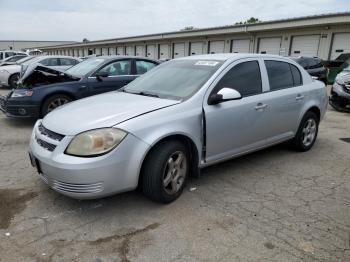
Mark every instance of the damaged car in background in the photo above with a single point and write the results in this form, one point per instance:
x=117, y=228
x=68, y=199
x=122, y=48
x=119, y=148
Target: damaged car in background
x=340, y=92
x=42, y=89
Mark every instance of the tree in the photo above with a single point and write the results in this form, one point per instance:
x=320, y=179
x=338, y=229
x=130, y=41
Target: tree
x=251, y=20
x=188, y=28
x=85, y=40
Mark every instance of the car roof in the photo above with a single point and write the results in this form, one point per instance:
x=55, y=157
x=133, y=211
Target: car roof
x=230, y=56
x=110, y=57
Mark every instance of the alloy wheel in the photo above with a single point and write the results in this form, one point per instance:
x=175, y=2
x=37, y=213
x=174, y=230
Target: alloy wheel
x=309, y=132
x=175, y=172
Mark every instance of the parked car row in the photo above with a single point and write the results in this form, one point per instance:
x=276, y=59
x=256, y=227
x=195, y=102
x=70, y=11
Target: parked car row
x=8, y=53
x=11, y=74
x=44, y=88
x=178, y=117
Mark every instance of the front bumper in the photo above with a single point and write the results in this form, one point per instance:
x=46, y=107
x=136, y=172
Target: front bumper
x=16, y=109
x=339, y=95
x=88, y=178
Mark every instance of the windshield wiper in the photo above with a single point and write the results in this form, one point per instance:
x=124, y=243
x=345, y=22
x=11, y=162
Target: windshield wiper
x=142, y=93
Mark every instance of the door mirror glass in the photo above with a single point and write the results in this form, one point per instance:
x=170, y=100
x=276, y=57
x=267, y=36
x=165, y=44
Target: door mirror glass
x=224, y=94
x=101, y=74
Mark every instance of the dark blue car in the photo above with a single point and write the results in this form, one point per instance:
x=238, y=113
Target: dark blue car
x=44, y=89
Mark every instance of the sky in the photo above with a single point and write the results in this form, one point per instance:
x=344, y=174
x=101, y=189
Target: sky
x=74, y=20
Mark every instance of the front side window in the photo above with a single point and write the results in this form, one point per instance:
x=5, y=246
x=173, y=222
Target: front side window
x=117, y=68
x=143, y=66
x=67, y=62
x=49, y=62
x=244, y=77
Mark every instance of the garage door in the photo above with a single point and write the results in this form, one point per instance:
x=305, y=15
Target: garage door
x=306, y=45
x=112, y=51
x=140, y=50
x=164, y=51
x=179, y=50
x=104, y=51
x=120, y=50
x=216, y=47
x=196, y=48
x=270, y=45
x=81, y=52
x=151, y=51
x=129, y=50
x=341, y=44
x=240, y=46
x=98, y=51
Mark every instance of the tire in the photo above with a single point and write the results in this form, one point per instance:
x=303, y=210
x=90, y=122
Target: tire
x=307, y=132
x=53, y=102
x=162, y=179
x=13, y=80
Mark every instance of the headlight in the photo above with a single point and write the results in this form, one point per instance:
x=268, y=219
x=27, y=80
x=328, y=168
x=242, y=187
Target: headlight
x=22, y=93
x=95, y=142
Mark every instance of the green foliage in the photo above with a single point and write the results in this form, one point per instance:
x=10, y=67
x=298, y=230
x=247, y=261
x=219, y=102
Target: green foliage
x=251, y=20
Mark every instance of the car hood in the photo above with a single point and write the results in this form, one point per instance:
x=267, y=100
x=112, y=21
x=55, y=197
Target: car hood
x=100, y=111
x=41, y=75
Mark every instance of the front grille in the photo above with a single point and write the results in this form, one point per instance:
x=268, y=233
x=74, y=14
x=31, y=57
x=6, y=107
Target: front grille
x=45, y=144
x=46, y=132
x=77, y=188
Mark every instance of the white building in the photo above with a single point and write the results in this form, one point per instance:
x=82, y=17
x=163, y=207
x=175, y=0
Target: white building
x=325, y=36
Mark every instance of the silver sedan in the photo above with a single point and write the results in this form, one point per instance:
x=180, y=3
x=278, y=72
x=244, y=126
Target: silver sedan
x=182, y=116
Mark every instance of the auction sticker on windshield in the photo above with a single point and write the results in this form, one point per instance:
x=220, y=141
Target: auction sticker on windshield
x=207, y=63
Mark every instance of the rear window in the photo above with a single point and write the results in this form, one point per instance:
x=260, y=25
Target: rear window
x=282, y=75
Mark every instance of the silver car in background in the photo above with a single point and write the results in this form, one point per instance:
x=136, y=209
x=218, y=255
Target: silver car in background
x=181, y=116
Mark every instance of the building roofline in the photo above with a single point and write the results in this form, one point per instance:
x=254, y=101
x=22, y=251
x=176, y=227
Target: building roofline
x=235, y=28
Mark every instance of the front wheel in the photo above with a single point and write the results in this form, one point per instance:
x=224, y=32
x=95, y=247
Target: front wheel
x=53, y=102
x=13, y=80
x=307, y=132
x=165, y=172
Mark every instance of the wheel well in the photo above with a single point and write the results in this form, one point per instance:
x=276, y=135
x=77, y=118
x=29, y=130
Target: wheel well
x=194, y=161
x=8, y=81
x=53, y=94
x=317, y=111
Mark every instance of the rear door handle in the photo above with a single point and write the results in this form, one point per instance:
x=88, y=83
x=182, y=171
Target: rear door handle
x=260, y=106
x=299, y=97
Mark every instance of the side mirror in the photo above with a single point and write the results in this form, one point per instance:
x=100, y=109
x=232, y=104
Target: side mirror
x=100, y=75
x=224, y=94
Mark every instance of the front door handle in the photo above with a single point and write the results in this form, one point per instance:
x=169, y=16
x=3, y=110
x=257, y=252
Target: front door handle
x=299, y=97
x=260, y=107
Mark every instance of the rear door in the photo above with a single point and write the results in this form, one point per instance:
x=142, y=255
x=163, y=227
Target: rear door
x=238, y=126
x=119, y=73
x=286, y=99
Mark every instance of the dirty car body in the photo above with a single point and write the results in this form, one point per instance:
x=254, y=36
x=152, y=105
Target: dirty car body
x=195, y=119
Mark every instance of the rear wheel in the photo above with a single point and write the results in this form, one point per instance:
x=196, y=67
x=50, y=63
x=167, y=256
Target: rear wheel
x=165, y=172
x=307, y=132
x=53, y=102
x=13, y=80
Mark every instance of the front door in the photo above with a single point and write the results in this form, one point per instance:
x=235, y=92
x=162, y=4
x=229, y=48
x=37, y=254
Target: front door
x=237, y=126
x=115, y=75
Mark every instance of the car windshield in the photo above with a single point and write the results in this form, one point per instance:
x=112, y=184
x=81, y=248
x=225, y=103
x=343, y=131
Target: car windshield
x=27, y=58
x=177, y=79
x=32, y=60
x=85, y=67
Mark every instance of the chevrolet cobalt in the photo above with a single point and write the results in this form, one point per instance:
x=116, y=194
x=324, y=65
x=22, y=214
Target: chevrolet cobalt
x=169, y=123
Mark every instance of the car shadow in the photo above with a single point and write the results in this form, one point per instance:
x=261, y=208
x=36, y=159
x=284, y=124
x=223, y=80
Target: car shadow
x=20, y=122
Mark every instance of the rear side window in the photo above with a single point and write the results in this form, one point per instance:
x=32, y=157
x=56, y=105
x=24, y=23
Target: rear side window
x=244, y=77
x=281, y=76
x=50, y=62
x=297, y=79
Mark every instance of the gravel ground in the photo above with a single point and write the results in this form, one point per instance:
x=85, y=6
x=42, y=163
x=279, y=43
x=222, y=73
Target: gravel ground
x=273, y=205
